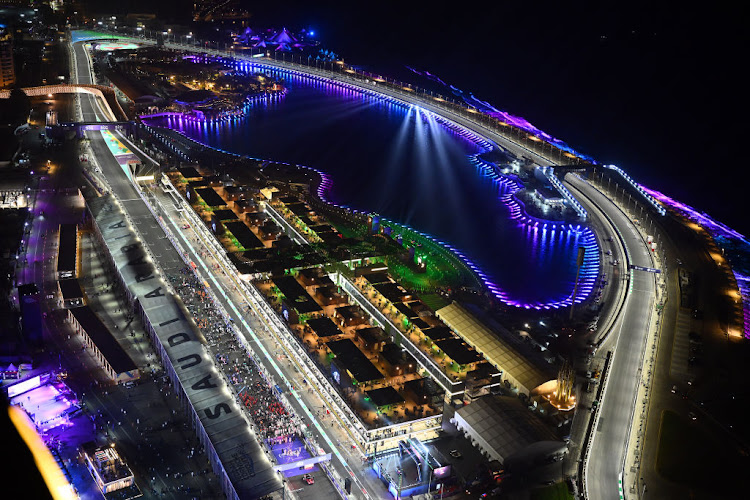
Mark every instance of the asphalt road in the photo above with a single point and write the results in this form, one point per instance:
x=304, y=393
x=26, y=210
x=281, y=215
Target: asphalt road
x=611, y=435
x=170, y=262
x=404, y=96
x=121, y=413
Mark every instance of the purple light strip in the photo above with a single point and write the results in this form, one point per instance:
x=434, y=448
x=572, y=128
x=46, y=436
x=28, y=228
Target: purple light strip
x=743, y=283
x=701, y=218
x=589, y=270
x=488, y=109
x=225, y=116
x=716, y=229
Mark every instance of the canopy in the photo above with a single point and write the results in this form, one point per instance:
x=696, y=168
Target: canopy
x=283, y=37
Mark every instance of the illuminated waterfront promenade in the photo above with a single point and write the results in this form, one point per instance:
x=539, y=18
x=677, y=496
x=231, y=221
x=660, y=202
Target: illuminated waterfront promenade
x=605, y=486
x=531, y=236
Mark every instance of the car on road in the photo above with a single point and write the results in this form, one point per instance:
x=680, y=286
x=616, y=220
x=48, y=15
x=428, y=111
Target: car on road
x=674, y=389
x=692, y=416
x=308, y=478
x=186, y=226
x=455, y=454
x=697, y=314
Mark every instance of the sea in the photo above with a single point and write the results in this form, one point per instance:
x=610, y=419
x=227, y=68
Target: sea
x=646, y=87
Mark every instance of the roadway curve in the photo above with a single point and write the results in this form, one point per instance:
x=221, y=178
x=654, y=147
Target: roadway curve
x=346, y=462
x=610, y=436
x=608, y=443
x=403, y=96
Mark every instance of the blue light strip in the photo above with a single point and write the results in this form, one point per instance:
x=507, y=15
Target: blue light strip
x=659, y=208
x=549, y=174
x=590, y=270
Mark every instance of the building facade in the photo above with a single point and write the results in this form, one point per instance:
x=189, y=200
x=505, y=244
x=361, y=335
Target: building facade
x=7, y=71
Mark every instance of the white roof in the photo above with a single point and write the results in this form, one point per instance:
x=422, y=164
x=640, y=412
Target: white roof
x=495, y=350
x=502, y=425
x=218, y=414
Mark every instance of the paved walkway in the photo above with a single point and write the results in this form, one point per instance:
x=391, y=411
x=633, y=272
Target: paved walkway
x=631, y=482
x=338, y=433
x=678, y=366
x=123, y=415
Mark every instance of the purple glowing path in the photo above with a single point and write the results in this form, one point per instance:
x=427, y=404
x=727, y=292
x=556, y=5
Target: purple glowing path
x=718, y=231
x=716, y=228
x=488, y=109
x=589, y=271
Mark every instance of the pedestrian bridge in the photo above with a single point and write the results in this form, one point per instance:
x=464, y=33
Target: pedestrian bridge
x=62, y=128
x=106, y=95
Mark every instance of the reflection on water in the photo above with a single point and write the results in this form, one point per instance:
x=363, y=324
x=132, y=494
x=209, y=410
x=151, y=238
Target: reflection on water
x=401, y=162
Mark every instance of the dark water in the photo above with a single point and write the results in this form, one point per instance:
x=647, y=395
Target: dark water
x=653, y=88
x=400, y=163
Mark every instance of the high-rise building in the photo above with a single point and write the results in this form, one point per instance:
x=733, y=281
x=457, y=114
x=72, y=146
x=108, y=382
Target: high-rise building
x=7, y=71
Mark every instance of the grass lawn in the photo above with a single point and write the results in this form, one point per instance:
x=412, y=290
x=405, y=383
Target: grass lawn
x=687, y=456
x=557, y=491
x=434, y=301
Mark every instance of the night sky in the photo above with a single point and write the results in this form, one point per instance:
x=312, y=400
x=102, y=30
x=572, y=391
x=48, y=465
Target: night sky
x=655, y=90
